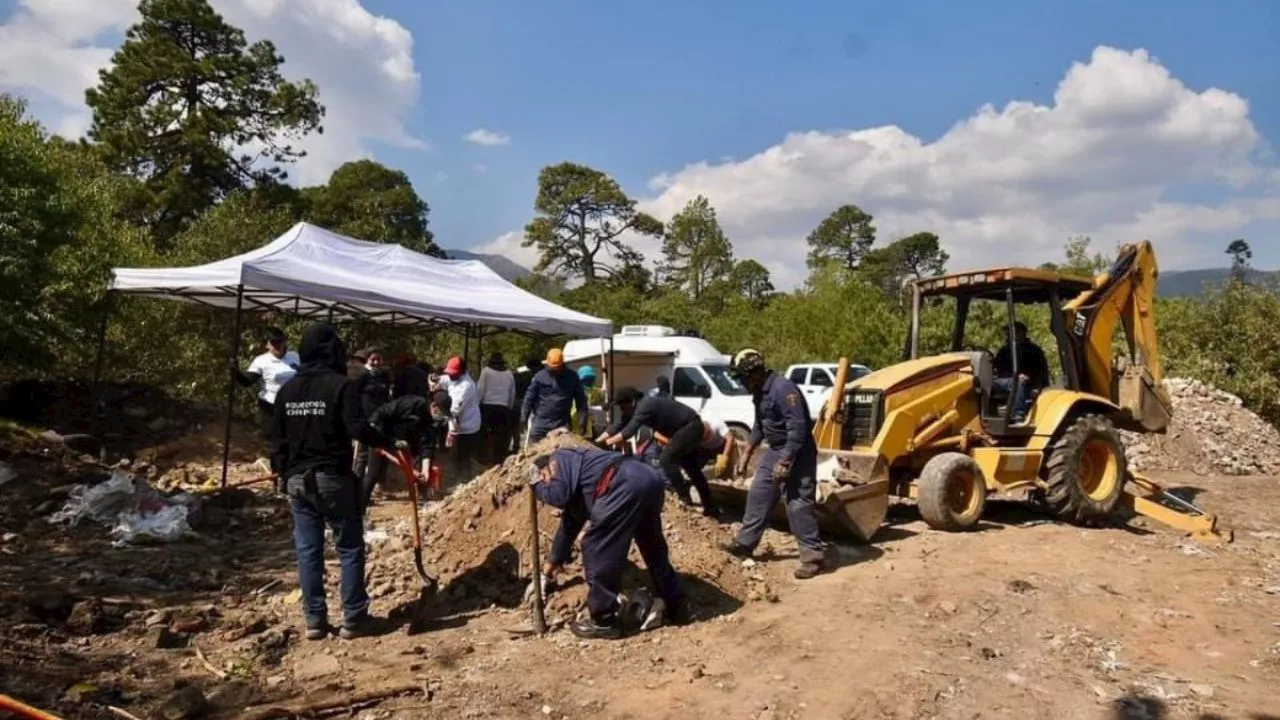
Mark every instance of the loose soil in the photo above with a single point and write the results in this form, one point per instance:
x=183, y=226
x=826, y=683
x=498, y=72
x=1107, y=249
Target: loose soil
x=1021, y=618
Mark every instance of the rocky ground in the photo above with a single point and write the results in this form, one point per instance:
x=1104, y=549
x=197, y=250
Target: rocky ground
x=1125, y=622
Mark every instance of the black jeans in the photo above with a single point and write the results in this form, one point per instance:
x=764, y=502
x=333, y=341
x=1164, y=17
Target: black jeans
x=682, y=452
x=266, y=419
x=318, y=499
x=496, y=430
x=374, y=470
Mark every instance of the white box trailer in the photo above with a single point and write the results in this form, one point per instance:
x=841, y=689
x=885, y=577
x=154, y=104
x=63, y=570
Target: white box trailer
x=699, y=373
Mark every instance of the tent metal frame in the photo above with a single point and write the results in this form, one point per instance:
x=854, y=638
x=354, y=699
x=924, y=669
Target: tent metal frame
x=307, y=309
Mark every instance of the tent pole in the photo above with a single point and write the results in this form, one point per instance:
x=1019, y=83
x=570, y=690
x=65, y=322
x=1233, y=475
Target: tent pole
x=609, y=381
x=231, y=383
x=479, y=346
x=331, y=314
x=466, y=345
x=99, y=409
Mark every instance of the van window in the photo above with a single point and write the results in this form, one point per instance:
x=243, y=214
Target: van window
x=686, y=382
x=724, y=381
x=798, y=376
x=820, y=378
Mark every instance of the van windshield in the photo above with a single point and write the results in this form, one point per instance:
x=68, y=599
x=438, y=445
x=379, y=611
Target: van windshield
x=724, y=382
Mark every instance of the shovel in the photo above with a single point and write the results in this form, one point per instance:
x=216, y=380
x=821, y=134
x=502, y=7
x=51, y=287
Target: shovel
x=430, y=584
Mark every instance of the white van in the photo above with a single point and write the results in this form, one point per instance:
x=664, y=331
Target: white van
x=699, y=373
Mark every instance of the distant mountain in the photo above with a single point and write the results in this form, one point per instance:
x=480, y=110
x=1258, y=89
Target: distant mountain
x=1190, y=283
x=508, y=270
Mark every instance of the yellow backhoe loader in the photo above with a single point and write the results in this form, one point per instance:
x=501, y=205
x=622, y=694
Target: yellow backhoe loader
x=950, y=430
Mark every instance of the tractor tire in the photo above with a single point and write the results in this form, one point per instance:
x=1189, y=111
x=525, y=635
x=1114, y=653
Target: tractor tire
x=952, y=492
x=1086, y=472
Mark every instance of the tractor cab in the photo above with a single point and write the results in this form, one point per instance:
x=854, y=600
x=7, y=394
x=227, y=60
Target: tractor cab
x=996, y=314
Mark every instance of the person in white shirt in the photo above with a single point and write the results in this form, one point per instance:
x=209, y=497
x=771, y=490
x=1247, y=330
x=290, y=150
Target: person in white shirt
x=269, y=371
x=464, y=416
x=497, y=391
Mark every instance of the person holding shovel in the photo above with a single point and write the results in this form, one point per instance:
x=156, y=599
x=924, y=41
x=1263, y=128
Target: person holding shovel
x=621, y=497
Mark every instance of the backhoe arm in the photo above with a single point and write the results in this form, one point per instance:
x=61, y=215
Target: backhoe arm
x=1124, y=295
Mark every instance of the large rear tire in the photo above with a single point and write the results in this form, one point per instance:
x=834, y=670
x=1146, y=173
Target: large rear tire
x=952, y=492
x=1086, y=472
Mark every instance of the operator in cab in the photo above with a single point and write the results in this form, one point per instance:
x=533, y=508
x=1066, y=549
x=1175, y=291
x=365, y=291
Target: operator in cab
x=789, y=466
x=1033, y=368
x=683, y=429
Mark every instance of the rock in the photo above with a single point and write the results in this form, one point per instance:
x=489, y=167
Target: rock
x=748, y=563
x=315, y=667
x=162, y=638
x=84, y=692
x=1200, y=690
x=234, y=695
x=276, y=680
x=188, y=625
x=189, y=702
x=948, y=607
x=87, y=618
x=157, y=618
x=546, y=709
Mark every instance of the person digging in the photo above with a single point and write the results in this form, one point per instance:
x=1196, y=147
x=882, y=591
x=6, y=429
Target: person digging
x=622, y=498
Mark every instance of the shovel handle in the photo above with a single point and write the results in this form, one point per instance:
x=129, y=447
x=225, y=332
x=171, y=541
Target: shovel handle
x=410, y=478
x=539, y=614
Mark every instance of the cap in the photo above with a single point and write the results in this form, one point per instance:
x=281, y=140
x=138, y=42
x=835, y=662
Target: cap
x=627, y=395
x=454, y=366
x=555, y=358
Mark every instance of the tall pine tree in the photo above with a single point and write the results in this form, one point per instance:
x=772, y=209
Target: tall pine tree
x=195, y=112
x=696, y=253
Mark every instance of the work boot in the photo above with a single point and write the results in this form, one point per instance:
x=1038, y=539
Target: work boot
x=737, y=550
x=365, y=626
x=656, y=617
x=318, y=631
x=812, y=563
x=711, y=511
x=593, y=629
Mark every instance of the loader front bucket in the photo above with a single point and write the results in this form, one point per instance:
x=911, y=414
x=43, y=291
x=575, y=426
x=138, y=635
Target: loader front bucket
x=847, y=511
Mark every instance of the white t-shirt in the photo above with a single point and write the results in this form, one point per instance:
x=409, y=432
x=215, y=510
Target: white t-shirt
x=275, y=371
x=465, y=414
x=715, y=439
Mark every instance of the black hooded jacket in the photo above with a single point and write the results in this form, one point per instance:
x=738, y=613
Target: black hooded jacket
x=320, y=411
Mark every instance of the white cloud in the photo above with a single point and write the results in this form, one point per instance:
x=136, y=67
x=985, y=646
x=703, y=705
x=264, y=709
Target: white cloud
x=362, y=63
x=487, y=138
x=1009, y=185
x=480, y=168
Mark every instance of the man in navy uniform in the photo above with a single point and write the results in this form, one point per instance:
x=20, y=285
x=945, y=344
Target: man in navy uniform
x=622, y=498
x=790, y=466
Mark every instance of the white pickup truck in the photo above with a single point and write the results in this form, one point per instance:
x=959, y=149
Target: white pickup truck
x=815, y=381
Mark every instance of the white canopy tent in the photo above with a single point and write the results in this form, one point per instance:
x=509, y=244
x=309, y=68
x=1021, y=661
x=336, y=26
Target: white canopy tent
x=309, y=270
x=312, y=272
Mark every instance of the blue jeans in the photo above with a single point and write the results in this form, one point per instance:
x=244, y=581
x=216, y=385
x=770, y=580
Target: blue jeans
x=1018, y=403
x=316, y=500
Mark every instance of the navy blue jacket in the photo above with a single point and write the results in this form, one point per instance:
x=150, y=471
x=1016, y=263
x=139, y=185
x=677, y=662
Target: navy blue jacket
x=782, y=417
x=550, y=399
x=572, y=488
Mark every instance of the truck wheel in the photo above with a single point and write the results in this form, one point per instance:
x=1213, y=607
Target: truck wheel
x=1086, y=471
x=952, y=492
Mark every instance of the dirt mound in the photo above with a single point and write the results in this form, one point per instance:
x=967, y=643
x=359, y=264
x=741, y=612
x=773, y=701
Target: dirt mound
x=478, y=542
x=1211, y=433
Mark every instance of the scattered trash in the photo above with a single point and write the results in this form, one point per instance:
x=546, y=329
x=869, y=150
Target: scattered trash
x=133, y=508
x=375, y=536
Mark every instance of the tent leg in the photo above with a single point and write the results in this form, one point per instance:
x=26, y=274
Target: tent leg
x=231, y=384
x=609, y=382
x=99, y=407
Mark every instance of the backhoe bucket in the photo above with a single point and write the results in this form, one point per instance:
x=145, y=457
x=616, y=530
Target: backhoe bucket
x=846, y=511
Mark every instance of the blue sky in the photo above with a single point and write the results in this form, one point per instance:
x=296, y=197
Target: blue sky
x=885, y=97
x=641, y=88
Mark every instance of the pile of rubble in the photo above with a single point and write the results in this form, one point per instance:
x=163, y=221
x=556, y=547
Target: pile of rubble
x=1211, y=433
x=477, y=541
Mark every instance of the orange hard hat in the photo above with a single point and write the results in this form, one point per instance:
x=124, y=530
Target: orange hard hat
x=555, y=358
